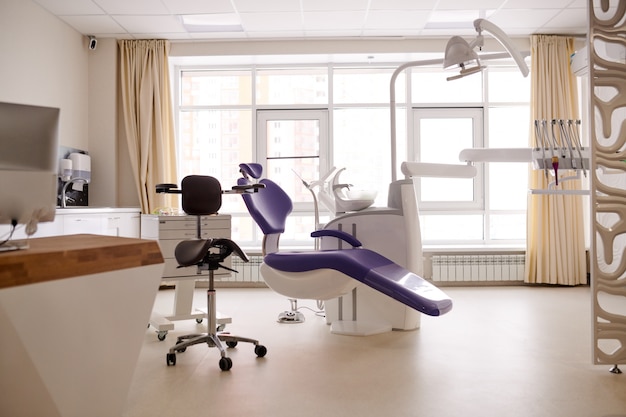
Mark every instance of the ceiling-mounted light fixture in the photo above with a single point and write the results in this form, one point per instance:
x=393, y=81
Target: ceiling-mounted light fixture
x=460, y=53
x=216, y=22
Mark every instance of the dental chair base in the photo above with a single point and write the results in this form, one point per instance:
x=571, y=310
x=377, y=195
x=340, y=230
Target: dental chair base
x=367, y=312
x=372, y=227
x=358, y=325
x=315, y=283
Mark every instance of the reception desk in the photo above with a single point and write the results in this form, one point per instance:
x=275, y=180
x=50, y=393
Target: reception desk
x=73, y=315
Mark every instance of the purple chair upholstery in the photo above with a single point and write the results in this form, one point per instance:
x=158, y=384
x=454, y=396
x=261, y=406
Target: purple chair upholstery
x=269, y=207
x=252, y=169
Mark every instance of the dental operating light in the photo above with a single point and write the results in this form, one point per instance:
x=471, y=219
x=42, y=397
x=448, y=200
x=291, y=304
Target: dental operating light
x=461, y=53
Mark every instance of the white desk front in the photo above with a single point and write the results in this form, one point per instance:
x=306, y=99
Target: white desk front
x=73, y=314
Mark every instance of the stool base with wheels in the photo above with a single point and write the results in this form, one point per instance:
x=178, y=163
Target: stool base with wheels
x=213, y=338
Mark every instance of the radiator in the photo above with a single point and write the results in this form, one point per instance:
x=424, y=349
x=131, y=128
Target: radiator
x=477, y=268
x=247, y=273
x=444, y=268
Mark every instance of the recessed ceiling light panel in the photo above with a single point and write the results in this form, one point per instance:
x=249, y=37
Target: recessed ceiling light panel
x=216, y=22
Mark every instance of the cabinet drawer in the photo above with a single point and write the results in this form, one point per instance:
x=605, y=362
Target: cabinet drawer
x=168, y=247
x=216, y=233
x=215, y=223
x=177, y=224
x=76, y=224
x=178, y=234
x=191, y=223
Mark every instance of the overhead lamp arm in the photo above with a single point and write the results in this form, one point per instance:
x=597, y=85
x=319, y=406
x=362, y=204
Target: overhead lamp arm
x=479, y=25
x=392, y=97
x=496, y=32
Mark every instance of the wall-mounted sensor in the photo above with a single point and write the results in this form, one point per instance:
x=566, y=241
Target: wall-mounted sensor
x=93, y=42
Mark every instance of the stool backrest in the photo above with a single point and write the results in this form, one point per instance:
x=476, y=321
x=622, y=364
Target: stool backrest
x=201, y=195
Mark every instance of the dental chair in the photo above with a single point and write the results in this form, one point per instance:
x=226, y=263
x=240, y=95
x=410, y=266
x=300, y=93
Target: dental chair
x=251, y=173
x=201, y=196
x=327, y=274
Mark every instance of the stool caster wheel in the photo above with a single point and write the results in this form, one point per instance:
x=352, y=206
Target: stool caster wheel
x=260, y=350
x=171, y=359
x=226, y=364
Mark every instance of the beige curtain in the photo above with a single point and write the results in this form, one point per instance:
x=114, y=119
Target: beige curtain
x=555, y=248
x=148, y=120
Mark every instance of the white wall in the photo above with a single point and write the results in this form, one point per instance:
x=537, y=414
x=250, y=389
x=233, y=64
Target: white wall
x=351, y=50
x=104, y=145
x=44, y=62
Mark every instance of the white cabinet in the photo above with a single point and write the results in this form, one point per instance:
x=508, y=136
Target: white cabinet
x=111, y=222
x=121, y=222
x=74, y=224
x=170, y=231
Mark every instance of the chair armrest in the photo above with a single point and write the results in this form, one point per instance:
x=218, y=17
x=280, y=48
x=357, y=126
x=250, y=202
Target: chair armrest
x=245, y=188
x=346, y=237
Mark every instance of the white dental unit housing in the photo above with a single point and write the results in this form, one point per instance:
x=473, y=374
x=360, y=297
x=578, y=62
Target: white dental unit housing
x=395, y=233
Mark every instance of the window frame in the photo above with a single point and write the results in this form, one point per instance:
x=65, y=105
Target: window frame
x=407, y=106
x=263, y=116
x=414, y=145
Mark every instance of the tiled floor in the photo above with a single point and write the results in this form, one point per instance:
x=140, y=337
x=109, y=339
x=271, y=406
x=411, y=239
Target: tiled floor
x=502, y=351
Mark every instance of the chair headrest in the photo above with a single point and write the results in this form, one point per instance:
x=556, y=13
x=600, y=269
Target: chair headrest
x=251, y=169
x=201, y=195
x=269, y=207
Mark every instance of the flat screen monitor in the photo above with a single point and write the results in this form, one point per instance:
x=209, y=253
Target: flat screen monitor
x=29, y=144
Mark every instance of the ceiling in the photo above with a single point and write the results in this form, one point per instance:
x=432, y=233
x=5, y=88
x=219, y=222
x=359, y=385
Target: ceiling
x=314, y=19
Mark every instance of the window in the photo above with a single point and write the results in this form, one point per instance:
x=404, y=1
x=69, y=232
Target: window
x=290, y=144
x=300, y=121
x=440, y=135
x=291, y=86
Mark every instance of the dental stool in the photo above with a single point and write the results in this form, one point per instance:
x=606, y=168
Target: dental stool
x=201, y=196
x=327, y=274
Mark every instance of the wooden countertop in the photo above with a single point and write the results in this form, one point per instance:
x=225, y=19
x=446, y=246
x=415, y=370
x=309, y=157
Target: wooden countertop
x=58, y=257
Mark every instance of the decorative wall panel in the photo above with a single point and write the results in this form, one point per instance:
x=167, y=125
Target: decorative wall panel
x=607, y=77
